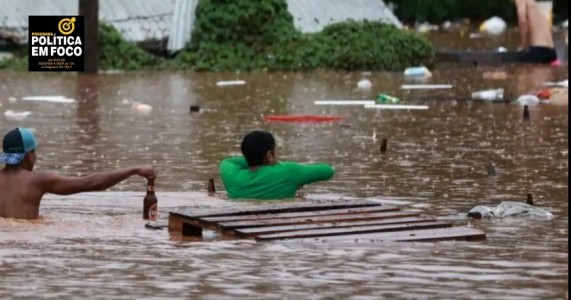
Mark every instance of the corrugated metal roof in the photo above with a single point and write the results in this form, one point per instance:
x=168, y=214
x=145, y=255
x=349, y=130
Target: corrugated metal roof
x=137, y=20
x=314, y=15
x=183, y=23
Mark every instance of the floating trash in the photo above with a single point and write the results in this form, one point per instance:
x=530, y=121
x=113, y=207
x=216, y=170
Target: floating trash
x=12, y=99
x=417, y=72
x=489, y=95
x=194, y=108
x=232, y=82
x=493, y=26
x=52, y=99
x=397, y=106
x=564, y=83
x=16, y=115
x=425, y=86
x=530, y=100
x=384, y=98
x=364, y=84
x=141, y=108
x=344, y=102
x=510, y=210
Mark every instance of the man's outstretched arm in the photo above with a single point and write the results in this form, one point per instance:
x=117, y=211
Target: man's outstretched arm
x=62, y=185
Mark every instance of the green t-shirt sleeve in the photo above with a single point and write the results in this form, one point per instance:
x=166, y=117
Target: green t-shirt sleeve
x=238, y=162
x=310, y=173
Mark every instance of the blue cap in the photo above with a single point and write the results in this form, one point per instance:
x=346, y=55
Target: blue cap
x=16, y=144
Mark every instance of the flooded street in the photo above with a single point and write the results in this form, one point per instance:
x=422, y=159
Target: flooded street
x=95, y=245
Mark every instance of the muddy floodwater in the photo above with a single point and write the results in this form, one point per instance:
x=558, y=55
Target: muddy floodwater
x=95, y=245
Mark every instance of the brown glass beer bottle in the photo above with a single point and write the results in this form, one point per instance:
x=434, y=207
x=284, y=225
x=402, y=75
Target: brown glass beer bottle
x=150, y=202
x=211, y=187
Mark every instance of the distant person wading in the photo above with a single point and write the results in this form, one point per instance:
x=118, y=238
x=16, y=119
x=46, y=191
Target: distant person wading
x=536, y=39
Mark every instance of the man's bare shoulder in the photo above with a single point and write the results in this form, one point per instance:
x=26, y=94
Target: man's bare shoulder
x=44, y=177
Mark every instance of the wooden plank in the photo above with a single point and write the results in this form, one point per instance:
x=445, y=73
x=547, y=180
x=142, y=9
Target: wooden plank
x=184, y=226
x=352, y=230
x=322, y=219
x=249, y=232
x=440, y=234
x=268, y=209
x=382, y=208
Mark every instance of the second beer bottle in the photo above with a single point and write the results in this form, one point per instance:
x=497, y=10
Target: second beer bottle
x=150, y=202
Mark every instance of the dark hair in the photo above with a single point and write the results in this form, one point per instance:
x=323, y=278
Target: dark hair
x=255, y=145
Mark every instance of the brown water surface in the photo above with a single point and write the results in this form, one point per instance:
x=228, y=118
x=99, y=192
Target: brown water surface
x=95, y=245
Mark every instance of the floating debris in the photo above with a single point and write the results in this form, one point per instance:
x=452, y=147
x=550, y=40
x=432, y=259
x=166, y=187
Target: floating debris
x=509, y=210
x=491, y=169
x=528, y=100
x=418, y=72
x=141, y=108
x=16, y=115
x=343, y=102
x=425, y=86
x=194, y=108
x=397, y=106
x=232, y=82
x=564, y=83
x=494, y=26
x=384, y=146
x=489, y=95
x=364, y=84
x=52, y=99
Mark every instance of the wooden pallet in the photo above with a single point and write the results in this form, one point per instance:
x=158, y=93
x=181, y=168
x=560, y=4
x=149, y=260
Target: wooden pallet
x=319, y=221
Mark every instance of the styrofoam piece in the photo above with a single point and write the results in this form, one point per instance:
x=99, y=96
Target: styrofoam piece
x=397, y=106
x=564, y=83
x=53, y=99
x=344, y=102
x=232, y=82
x=16, y=115
x=425, y=86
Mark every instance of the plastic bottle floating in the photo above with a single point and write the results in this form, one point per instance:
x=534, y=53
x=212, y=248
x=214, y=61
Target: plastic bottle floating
x=386, y=99
x=489, y=95
x=493, y=26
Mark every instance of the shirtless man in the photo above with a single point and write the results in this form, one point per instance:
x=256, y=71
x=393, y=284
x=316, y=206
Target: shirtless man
x=21, y=189
x=536, y=45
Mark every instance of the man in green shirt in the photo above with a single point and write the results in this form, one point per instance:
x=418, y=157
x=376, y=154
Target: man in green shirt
x=259, y=175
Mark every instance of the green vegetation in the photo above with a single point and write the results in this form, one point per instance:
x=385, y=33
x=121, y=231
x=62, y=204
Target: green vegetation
x=232, y=35
x=249, y=35
x=117, y=54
